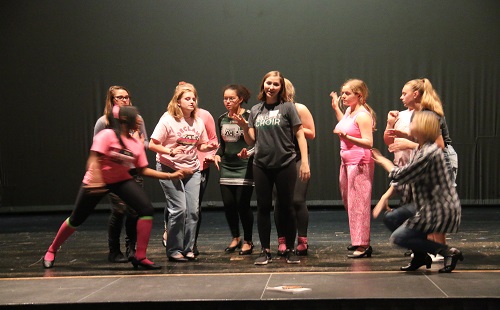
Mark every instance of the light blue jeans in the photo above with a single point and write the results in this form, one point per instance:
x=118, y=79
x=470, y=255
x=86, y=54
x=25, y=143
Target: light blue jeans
x=182, y=208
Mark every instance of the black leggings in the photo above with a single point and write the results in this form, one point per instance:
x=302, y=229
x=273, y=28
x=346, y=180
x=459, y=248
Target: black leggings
x=129, y=191
x=300, y=211
x=236, y=199
x=284, y=179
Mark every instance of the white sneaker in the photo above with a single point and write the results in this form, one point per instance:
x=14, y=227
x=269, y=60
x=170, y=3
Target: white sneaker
x=437, y=258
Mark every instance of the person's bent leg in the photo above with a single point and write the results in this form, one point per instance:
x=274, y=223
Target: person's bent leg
x=84, y=205
x=135, y=197
x=396, y=217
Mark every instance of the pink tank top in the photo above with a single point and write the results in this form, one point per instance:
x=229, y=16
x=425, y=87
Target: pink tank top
x=350, y=153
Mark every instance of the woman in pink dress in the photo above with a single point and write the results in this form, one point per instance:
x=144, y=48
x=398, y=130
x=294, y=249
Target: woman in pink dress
x=355, y=129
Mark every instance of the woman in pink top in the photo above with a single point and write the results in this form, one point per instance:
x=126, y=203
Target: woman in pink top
x=112, y=154
x=355, y=128
x=177, y=138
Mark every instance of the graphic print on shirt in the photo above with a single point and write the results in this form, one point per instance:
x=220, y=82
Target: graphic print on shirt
x=231, y=132
x=122, y=156
x=268, y=120
x=188, y=136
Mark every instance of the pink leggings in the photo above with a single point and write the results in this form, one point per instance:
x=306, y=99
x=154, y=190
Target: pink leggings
x=356, y=189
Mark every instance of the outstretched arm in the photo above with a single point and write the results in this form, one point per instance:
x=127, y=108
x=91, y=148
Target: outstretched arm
x=307, y=121
x=177, y=175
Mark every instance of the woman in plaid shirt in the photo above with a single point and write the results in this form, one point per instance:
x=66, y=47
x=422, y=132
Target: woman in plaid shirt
x=427, y=184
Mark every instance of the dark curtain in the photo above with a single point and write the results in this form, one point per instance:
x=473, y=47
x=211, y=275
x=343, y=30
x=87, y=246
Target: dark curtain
x=58, y=58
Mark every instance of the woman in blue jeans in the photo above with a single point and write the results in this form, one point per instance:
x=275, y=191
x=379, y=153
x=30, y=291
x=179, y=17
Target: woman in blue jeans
x=177, y=138
x=430, y=202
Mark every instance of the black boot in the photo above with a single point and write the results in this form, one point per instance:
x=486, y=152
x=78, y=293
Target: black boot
x=115, y=255
x=451, y=258
x=417, y=262
x=131, y=235
x=114, y=229
x=129, y=250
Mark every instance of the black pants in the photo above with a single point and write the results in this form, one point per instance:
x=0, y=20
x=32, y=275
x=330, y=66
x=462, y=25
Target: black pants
x=284, y=179
x=129, y=191
x=236, y=199
x=120, y=212
x=300, y=211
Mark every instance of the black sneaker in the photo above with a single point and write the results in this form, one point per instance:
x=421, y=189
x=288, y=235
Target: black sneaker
x=264, y=258
x=291, y=257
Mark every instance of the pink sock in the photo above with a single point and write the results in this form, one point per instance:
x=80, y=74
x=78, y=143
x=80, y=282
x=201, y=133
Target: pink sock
x=64, y=232
x=144, y=225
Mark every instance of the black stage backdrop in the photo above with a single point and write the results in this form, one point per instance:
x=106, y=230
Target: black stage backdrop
x=59, y=57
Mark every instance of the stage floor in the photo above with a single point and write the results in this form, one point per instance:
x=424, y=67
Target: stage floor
x=83, y=277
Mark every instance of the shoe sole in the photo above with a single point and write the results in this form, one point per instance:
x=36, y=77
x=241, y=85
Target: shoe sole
x=263, y=263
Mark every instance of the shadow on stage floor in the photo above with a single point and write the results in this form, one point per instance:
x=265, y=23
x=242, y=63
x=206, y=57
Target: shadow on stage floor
x=325, y=279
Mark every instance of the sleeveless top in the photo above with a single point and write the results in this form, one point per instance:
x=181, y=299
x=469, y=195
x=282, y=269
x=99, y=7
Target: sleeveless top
x=350, y=153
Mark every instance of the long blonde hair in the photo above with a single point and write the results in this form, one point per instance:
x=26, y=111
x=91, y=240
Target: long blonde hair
x=359, y=88
x=290, y=91
x=429, y=98
x=173, y=107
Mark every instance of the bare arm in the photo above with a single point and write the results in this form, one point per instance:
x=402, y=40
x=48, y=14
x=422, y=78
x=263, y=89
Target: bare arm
x=155, y=146
x=177, y=175
x=401, y=144
x=392, y=118
x=307, y=121
x=209, y=146
x=304, y=172
x=382, y=161
x=383, y=203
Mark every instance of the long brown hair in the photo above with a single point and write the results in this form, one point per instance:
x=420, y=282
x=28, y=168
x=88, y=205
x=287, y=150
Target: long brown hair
x=281, y=94
x=108, y=106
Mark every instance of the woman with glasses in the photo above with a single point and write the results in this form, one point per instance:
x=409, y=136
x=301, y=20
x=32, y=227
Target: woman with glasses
x=120, y=96
x=234, y=161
